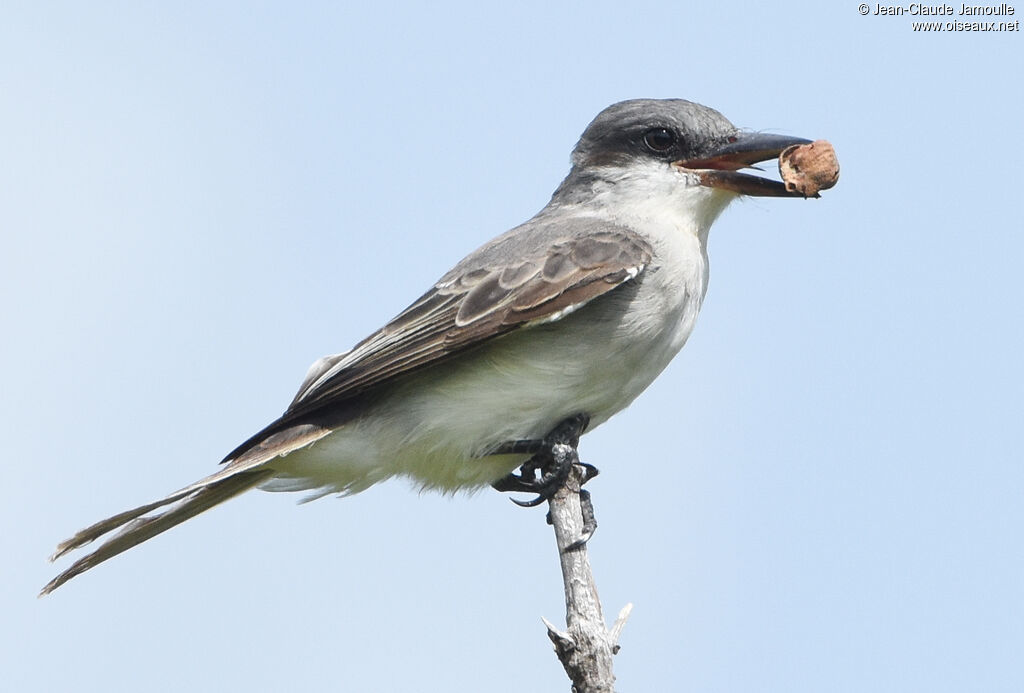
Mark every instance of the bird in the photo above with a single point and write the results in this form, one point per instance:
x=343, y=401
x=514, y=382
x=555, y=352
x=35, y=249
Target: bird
x=573, y=313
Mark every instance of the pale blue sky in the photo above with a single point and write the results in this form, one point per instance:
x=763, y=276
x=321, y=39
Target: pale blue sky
x=822, y=493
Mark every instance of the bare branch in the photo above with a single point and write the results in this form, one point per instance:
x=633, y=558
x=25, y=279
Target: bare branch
x=586, y=647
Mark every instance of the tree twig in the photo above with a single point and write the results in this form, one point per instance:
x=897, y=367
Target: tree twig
x=586, y=647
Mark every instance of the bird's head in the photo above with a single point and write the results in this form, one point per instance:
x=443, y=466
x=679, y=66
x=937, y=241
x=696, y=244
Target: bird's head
x=672, y=153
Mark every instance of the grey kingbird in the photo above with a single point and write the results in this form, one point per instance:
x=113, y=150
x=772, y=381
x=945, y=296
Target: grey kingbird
x=574, y=312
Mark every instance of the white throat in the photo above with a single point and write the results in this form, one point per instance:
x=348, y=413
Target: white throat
x=655, y=198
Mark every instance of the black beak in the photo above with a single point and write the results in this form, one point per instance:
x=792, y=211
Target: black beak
x=719, y=166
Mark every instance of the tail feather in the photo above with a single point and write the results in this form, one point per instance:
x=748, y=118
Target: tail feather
x=135, y=528
x=97, y=530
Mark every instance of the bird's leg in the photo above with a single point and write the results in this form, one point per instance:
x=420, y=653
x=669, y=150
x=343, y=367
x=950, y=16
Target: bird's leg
x=552, y=456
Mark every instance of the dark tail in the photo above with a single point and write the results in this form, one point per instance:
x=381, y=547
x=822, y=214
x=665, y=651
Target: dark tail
x=136, y=527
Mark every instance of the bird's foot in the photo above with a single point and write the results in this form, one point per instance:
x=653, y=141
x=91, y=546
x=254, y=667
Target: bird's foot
x=551, y=457
x=589, y=521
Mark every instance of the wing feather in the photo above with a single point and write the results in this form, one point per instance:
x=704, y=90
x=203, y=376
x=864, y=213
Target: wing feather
x=482, y=298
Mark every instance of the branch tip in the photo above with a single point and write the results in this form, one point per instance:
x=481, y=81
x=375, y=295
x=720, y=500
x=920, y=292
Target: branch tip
x=620, y=623
x=554, y=632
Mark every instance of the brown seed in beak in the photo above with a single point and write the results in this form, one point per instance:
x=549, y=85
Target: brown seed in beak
x=808, y=168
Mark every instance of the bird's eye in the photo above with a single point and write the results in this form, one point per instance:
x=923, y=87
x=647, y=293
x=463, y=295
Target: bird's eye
x=659, y=139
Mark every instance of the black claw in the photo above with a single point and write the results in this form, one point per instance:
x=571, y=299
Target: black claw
x=589, y=521
x=549, y=457
x=530, y=503
x=553, y=474
x=547, y=470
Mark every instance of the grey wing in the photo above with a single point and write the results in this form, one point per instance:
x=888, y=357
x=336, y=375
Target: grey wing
x=525, y=277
